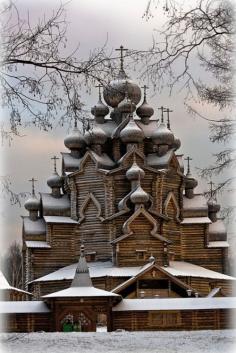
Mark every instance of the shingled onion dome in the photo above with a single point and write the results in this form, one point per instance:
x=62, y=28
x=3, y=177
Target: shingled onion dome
x=213, y=208
x=135, y=172
x=190, y=184
x=131, y=133
x=55, y=181
x=95, y=137
x=32, y=204
x=75, y=140
x=100, y=110
x=176, y=144
x=126, y=105
x=139, y=196
x=145, y=111
x=162, y=135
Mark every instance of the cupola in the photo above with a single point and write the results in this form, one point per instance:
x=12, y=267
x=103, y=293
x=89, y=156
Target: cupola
x=145, y=111
x=100, y=110
x=55, y=181
x=131, y=133
x=75, y=140
x=32, y=204
x=190, y=182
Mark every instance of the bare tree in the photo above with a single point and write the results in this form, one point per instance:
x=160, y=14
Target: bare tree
x=12, y=265
x=199, y=35
x=39, y=78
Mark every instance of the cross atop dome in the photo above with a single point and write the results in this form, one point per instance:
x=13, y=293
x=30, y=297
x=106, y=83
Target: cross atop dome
x=33, y=180
x=99, y=90
x=212, y=193
x=121, y=50
x=162, y=113
x=188, y=159
x=145, y=87
x=54, y=158
x=168, y=111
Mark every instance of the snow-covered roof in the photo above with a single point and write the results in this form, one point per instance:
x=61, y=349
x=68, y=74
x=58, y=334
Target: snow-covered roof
x=217, y=227
x=197, y=203
x=103, y=160
x=218, y=244
x=4, y=285
x=70, y=162
x=176, y=304
x=36, y=227
x=196, y=220
x=59, y=219
x=18, y=307
x=103, y=269
x=37, y=244
x=55, y=204
x=96, y=269
x=80, y=292
x=182, y=268
x=156, y=161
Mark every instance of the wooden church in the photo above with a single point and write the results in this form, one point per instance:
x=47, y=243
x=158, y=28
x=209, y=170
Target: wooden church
x=152, y=252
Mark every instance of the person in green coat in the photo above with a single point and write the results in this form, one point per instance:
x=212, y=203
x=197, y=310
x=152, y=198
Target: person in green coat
x=67, y=326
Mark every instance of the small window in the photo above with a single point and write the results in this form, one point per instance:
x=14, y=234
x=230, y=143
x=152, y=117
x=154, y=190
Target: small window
x=141, y=254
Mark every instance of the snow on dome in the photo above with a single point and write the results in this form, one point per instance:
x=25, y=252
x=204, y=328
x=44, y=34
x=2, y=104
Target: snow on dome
x=126, y=105
x=114, y=92
x=135, y=172
x=162, y=135
x=139, y=196
x=131, y=133
x=74, y=140
x=95, y=136
x=55, y=181
x=145, y=110
x=100, y=109
x=32, y=204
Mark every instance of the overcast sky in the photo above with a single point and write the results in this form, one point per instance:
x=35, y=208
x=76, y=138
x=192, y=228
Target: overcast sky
x=90, y=22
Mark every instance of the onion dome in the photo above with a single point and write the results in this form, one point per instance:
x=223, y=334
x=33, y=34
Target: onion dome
x=151, y=259
x=32, y=204
x=55, y=180
x=145, y=110
x=135, y=172
x=176, y=144
x=190, y=181
x=126, y=105
x=213, y=206
x=131, y=133
x=139, y=196
x=100, y=109
x=95, y=136
x=74, y=140
x=114, y=92
x=162, y=135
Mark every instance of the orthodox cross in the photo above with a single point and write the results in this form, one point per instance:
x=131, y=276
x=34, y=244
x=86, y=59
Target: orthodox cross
x=168, y=111
x=162, y=113
x=33, y=181
x=211, y=188
x=55, y=163
x=145, y=91
x=99, y=89
x=121, y=49
x=188, y=159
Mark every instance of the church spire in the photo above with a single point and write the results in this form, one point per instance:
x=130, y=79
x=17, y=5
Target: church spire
x=82, y=277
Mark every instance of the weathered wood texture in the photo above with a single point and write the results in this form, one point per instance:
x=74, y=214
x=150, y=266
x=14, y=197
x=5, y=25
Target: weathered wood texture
x=172, y=320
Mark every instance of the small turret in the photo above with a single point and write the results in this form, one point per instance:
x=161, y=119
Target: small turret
x=162, y=137
x=131, y=133
x=33, y=204
x=74, y=141
x=145, y=111
x=213, y=206
x=100, y=110
x=190, y=182
x=55, y=181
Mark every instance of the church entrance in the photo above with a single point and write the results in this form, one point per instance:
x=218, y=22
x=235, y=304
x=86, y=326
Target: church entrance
x=76, y=322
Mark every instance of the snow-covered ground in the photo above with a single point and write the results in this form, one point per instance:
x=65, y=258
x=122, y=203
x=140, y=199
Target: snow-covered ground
x=121, y=342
